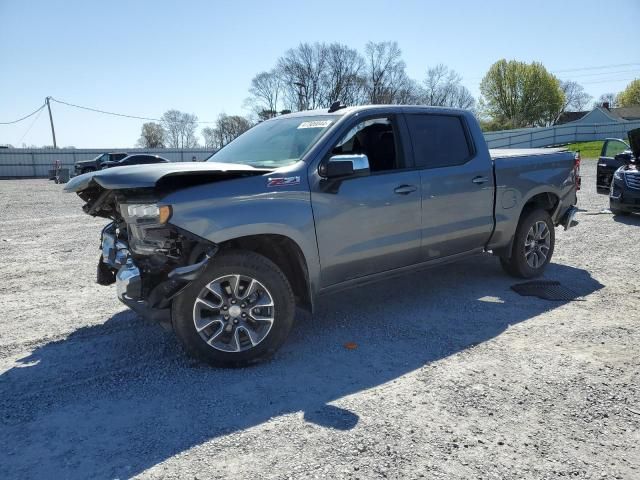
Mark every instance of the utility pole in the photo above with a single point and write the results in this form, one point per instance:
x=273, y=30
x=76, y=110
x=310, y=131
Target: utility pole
x=53, y=132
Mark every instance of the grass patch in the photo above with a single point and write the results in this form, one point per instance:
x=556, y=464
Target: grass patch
x=587, y=149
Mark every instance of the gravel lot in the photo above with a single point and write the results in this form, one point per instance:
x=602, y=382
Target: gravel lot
x=454, y=375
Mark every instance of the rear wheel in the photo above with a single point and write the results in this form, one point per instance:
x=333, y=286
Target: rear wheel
x=533, y=245
x=238, y=312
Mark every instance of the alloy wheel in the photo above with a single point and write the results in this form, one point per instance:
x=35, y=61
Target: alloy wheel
x=537, y=244
x=233, y=313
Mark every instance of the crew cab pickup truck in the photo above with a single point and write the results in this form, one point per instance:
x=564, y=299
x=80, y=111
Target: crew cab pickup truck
x=313, y=202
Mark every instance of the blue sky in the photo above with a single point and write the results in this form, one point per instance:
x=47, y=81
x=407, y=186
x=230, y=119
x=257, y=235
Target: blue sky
x=145, y=57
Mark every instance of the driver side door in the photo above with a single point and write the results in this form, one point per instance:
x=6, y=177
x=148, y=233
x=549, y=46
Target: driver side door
x=372, y=223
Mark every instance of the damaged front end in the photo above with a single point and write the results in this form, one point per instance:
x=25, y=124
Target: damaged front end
x=149, y=260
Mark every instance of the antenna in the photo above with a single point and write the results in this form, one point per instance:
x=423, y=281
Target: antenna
x=335, y=106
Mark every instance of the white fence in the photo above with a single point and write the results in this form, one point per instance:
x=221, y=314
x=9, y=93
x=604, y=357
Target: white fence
x=558, y=135
x=36, y=162
x=26, y=162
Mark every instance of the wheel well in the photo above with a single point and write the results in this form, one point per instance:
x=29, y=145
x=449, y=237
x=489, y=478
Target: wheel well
x=286, y=254
x=547, y=201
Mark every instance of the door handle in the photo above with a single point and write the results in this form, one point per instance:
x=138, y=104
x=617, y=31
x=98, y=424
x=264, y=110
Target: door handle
x=405, y=189
x=480, y=180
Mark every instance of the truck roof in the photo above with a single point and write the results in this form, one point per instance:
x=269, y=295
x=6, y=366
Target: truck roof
x=377, y=108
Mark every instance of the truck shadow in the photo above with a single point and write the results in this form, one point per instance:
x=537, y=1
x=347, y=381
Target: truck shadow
x=115, y=399
x=631, y=219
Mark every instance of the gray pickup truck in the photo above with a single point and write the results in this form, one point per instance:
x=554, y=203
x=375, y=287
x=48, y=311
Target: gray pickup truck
x=312, y=202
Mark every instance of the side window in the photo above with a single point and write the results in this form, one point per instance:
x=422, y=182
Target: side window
x=377, y=139
x=614, y=147
x=438, y=140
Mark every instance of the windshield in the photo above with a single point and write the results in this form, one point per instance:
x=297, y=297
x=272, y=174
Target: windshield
x=275, y=143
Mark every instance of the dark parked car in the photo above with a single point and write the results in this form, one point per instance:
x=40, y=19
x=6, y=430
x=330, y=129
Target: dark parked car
x=97, y=163
x=612, y=157
x=136, y=159
x=314, y=202
x=624, y=194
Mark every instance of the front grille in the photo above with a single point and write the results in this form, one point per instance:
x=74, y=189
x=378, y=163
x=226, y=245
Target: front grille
x=632, y=179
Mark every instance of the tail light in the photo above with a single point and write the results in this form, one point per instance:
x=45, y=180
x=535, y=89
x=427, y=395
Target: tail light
x=576, y=169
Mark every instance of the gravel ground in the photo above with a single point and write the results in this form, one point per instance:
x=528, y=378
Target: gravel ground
x=454, y=375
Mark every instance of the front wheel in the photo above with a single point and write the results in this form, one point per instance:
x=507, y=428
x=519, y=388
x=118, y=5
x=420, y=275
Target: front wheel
x=533, y=245
x=238, y=312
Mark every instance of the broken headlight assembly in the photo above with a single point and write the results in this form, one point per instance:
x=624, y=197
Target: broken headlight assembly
x=145, y=213
x=149, y=233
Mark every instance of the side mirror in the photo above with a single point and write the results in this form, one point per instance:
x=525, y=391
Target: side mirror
x=345, y=166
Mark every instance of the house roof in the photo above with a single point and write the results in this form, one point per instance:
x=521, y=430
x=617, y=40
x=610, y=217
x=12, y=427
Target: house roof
x=567, y=117
x=627, y=113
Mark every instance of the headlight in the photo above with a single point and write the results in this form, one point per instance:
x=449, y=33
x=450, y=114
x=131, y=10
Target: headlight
x=618, y=175
x=146, y=214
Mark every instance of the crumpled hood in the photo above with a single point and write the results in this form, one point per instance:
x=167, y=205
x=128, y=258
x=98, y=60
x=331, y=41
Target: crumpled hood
x=147, y=176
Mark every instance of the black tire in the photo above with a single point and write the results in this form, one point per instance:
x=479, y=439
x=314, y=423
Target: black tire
x=616, y=211
x=516, y=263
x=245, y=263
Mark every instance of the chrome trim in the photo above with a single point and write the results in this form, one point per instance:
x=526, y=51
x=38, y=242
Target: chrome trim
x=115, y=253
x=632, y=179
x=128, y=282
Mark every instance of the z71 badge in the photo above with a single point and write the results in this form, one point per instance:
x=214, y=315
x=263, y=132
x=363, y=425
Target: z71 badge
x=283, y=181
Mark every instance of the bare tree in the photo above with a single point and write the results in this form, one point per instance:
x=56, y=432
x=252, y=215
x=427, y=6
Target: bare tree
x=610, y=98
x=344, y=79
x=227, y=129
x=387, y=81
x=575, y=98
x=209, y=136
x=151, y=136
x=265, y=90
x=443, y=88
x=189, y=125
x=180, y=129
x=301, y=70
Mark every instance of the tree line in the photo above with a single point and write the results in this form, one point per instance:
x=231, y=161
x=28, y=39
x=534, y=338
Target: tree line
x=513, y=94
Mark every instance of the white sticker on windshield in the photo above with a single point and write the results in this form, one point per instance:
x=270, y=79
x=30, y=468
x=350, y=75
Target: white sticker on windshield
x=315, y=124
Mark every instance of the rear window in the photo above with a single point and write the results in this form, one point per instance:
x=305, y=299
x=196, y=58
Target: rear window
x=438, y=140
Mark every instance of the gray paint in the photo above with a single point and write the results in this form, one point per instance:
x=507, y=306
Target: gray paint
x=359, y=227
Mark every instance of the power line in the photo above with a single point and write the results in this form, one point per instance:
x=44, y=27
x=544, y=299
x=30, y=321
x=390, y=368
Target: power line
x=600, y=67
x=31, y=126
x=610, y=80
x=635, y=71
x=97, y=110
x=580, y=69
x=104, y=111
x=25, y=117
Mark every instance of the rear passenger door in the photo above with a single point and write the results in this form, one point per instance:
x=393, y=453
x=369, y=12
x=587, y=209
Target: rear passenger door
x=456, y=183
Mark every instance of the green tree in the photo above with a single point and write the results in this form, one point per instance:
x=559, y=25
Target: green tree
x=519, y=94
x=630, y=95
